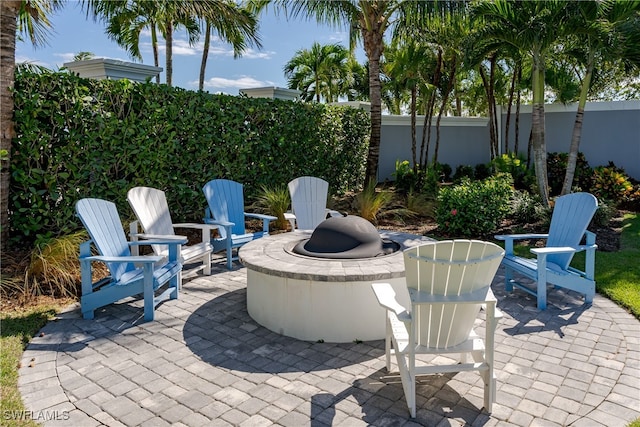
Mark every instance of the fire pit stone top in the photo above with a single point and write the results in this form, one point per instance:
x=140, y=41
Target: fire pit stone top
x=273, y=255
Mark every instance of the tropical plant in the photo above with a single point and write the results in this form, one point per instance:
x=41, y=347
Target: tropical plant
x=610, y=183
x=318, y=72
x=369, y=203
x=274, y=201
x=54, y=268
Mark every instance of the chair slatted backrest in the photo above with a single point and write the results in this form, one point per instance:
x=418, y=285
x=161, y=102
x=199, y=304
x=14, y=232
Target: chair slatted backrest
x=449, y=268
x=102, y=222
x=226, y=202
x=152, y=210
x=571, y=217
x=309, y=201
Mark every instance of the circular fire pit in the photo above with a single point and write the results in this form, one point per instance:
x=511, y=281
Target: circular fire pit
x=312, y=298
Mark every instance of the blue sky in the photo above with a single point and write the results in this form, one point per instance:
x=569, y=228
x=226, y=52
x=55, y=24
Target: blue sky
x=73, y=33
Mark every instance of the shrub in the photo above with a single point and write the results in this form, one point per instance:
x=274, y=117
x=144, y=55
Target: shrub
x=516, y=166
x=482, y=171
x=557, y=168
x=79, y=137
x=611, y=183
x=472, y=209
x=603, y=214
x=463, y=171
x=528, y=208
x=406, y=178
x=445, y=171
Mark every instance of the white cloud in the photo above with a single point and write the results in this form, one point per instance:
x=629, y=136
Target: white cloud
x=255, y=54
x=242, y=82
x=339, y=37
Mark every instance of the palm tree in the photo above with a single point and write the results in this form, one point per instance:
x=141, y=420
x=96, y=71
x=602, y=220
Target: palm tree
x=233, y=24
x=318, y=72
x=127, y=18
x=28, y=18
x=125, y=25
x=371, y=18
x=533, y=27
x=403, y=61
x=603, y=31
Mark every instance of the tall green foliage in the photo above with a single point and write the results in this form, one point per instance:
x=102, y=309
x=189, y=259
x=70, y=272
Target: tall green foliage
x=86, y=138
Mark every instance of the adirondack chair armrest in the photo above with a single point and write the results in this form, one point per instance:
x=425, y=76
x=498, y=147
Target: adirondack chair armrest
x=386, y=297
x=161, y=240
x=260, y=216
x=555, y=250
x=333, y=213
x=266, y=219
x=196, y=226
x=521, y=236
x=151, y=259
x=510, y=238
x=211, y=221
x=171, y=237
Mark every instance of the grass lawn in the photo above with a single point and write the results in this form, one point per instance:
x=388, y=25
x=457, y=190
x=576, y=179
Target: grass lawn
x=17, y=329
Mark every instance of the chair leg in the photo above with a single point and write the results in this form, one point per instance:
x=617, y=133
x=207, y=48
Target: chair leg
x=229, y=253
x=508, y=275
x=541, y=290
x=206, y=260
x=148, y=293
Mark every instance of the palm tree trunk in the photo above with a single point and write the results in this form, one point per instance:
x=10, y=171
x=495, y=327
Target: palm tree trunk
x=373, y=46
x=443, y=106
x=517, y=122
x=8, y=19
x=537, y=130
x=574, y=147
x=154, y=46
x=169, y=52
x=414, y=96
x=491, y=111
x=507, y=125
x=205, y=55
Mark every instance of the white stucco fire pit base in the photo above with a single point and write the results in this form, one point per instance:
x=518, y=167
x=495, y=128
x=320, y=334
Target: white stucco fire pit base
x=316, y=299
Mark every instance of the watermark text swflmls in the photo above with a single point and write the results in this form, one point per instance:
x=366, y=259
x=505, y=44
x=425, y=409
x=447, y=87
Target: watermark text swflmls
x=46, y=415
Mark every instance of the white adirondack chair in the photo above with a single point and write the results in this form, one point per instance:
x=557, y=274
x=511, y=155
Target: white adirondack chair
x=448, y=283
x=571, y=217
x=151, y=209
x=308, y=203
x=102, y=222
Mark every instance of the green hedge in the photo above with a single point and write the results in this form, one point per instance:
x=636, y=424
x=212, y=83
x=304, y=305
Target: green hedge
x=87, y=138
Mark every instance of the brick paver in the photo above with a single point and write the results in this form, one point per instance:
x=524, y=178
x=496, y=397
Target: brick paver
x=204, y=361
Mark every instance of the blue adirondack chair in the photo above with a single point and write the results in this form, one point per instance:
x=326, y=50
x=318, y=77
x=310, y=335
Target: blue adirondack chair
x=571, y=217
x=225, y=199
x=102, y=222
